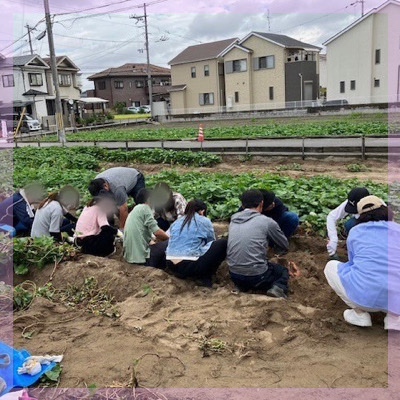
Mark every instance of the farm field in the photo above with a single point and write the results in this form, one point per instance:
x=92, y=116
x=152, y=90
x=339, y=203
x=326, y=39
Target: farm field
x=350, y=125
x=148, y=329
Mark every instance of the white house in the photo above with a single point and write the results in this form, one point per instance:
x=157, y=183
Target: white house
x=27, y=82
x=363, y=60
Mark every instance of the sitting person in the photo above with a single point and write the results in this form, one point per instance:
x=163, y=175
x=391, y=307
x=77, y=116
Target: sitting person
x=18, y=210
x=349, y=206
x=274, y=208
x=370, y=280
x=53, y=217
x=249, y=235
x=139, y=230
x=93, y=233
x=122, y=183
x=192, y=249
x=168, y=205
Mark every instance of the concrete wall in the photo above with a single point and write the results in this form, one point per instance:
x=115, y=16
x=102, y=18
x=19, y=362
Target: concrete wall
x=181, y=74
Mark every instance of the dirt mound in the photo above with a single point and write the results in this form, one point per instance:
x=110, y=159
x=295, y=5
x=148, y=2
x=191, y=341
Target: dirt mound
x=171, y=333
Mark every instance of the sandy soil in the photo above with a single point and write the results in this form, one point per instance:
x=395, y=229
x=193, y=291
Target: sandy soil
x=301, y=342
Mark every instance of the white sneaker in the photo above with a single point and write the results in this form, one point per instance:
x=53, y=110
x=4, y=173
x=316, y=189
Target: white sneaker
x=358, y=319
x=392, y=322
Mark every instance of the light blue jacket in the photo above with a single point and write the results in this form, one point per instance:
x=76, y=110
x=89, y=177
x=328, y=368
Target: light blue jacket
x=194, y=240
x=371, y=277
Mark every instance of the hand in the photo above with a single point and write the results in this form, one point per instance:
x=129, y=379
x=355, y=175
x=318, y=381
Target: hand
x=331, y=247
x=294, y=270
x=120, y=233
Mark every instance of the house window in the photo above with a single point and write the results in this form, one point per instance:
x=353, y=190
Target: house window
x=193, y=72
x=119, y=84
x=239, y=65
x=8, y=80
x=377, y=83
x=135, y=103
x=267, y=62
x=64, y=79
x=342, y=87
x=35, y=79
x=377, y=56
x=206, y=99
x=271, y=92
x=206, y=70
x=139, y=84
x=236, y=97
x=352, y=85
x=165, y=82
x=101, y=85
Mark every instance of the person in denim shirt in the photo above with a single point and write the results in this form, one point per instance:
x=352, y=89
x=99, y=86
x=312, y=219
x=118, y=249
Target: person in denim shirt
x=192, y=250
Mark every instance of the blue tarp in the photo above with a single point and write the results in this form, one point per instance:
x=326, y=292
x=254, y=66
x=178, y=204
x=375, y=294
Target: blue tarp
x=10, y=374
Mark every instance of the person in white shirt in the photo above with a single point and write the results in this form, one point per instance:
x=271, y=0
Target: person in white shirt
x=348, y=207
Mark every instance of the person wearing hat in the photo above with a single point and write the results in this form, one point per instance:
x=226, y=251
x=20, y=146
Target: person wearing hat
x=348, y=207
x=273, y=207
x=370, y=280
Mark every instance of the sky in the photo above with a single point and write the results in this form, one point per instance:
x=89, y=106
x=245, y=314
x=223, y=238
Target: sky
x=103, y=36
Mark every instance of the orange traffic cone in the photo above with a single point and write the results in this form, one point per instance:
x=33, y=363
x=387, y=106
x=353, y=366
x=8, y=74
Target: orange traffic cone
x=200, y=137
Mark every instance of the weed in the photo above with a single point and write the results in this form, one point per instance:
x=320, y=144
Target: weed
x=356, y=167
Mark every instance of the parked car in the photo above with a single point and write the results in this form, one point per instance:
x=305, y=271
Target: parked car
x=29, y=123
x=133, y=109
x=147, y=109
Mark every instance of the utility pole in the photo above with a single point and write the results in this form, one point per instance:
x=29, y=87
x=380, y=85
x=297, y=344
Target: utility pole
x=53, y=65
x=146, y=33
x=29, y=37
x=362, y=7
x=149, y=78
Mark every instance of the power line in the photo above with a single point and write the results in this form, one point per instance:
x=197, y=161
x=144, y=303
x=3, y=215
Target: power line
x=96, y=40
x=95, y=8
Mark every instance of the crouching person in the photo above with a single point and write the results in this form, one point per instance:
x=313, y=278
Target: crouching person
x=370, y=280
x=93, y=232
x=249, y=235
x=192, y=250
x=140, y=228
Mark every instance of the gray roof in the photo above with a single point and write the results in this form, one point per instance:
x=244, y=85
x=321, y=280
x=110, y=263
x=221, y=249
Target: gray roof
x=199, y=52
x=19, y=61
x=287, y=41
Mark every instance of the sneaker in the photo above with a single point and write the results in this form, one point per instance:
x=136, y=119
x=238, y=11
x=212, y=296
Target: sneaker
x=359, y=319
x=276, y=292
x=392, y=322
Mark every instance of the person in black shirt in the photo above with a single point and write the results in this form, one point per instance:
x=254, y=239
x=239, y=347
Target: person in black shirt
x=274, y=208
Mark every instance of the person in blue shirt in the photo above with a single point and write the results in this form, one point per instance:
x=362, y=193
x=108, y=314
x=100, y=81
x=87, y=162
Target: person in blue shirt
x=370, y=280
x=18, y=210
x=192, y=250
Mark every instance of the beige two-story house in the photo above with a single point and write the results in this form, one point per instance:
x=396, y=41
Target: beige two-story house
x=260, y=72
x=197, y=74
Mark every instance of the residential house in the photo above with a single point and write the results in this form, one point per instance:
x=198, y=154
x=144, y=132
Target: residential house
x=198, y=82
x=323, y=75
x=262, y=71
x=69, y=83
x=363, y=60
x=32, y=86
x=127, y=84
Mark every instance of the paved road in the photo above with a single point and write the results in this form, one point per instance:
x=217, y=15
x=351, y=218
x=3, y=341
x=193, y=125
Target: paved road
x=286, y=146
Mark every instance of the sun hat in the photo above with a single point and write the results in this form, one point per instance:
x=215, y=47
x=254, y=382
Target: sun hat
x=354, y=196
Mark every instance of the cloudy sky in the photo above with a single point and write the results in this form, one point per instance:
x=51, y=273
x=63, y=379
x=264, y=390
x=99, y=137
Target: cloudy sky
x=103, y=35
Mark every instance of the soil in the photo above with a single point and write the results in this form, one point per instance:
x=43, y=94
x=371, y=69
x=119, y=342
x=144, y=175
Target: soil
x=172, y=333
x=375, y=170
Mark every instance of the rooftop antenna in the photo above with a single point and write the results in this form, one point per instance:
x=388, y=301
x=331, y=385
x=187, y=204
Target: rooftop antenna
x=269, y=21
